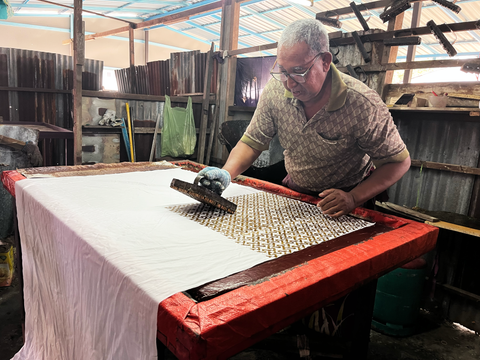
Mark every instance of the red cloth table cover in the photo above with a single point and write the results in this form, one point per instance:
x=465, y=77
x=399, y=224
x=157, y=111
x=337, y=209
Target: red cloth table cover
x=229, y=323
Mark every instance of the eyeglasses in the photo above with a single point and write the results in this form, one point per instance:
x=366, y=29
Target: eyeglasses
x=299, y=78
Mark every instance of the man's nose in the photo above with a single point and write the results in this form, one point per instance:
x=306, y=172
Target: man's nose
x=291, y=83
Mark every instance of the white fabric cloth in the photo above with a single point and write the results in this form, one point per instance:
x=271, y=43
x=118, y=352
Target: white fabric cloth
x=101, y=252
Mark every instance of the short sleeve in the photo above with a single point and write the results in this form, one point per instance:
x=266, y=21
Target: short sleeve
x=381, y=139
x=262, y=128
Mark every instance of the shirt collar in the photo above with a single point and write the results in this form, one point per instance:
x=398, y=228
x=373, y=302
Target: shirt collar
x=338, y=94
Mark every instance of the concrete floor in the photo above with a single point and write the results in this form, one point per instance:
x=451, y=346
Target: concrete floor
x=436, y=340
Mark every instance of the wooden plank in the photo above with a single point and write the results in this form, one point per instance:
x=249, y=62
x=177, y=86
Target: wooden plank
x=46, y=131
x=214, y=126
x=406, y=211
x=347, y=39
x=154, y=142
x=414, y=65
x=453, y=227
x=243, y=109
x=446, y=167
x=95, y=129
x=362, y=7
x=378, y=67
x=131, y=51
x=451, y=110
x=396, y=90
x=417, y=12
x=253, y=49
x=181, y=16
x=338, y=38
x=465, y=96
x=36, y=90
x=147, y=32
x=228, y=41
x=13, y=143
x=394, y=24
x=251, y=109
x=142, y=97
x=86, y=11
x=107, y=33
x=463, y=293
x=202, y=138
x=167, y=19
x=78, y=61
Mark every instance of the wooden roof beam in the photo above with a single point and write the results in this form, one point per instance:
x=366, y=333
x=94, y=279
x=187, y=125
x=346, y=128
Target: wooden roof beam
x=337, y=38
x=86, y=11
x=107, y=33
x=166, y=20
x=362, y=7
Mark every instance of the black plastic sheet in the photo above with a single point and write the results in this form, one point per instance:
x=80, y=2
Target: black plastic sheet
x=251, y=77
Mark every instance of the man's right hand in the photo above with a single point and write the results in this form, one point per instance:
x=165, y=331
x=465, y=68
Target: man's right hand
x=214, y=179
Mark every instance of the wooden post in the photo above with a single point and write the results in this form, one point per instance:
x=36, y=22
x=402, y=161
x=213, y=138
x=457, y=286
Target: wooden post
x=133, y=78
x=202, y=136
x=228, y=41
x=394, y=24
x=78, y=61
x=146, y=45
x=417, y=12
x=214, y=125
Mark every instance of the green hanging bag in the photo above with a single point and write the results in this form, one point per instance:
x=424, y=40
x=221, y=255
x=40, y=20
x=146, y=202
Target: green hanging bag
x=178, y=134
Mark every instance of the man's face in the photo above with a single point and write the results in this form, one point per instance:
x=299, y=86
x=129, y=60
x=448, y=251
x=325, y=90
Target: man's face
x=297, y=59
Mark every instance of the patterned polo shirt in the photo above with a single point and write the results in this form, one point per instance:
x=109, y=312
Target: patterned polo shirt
x=335, y=148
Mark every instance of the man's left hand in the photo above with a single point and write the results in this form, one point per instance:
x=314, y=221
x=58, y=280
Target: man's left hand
x=336, y=202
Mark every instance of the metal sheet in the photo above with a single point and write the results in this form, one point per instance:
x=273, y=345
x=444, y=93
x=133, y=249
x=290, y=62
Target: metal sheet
x=444, y=141
x=35, y=69
x=183, y=73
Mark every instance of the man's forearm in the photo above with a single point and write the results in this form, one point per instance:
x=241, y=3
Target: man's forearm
x=240, y=159
x=381, y=179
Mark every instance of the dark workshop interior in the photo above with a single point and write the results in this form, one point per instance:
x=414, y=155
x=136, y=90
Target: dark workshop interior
x=102, y=103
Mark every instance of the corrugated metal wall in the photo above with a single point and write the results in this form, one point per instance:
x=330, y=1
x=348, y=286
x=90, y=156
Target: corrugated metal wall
x=159, y=73
x=444, y=139
x=34, y=69
x=183, y=74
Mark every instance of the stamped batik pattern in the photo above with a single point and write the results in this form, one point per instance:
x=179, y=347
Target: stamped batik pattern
x=272, y=224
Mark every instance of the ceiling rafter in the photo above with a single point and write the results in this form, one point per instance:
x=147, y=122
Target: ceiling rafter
x=155, y=13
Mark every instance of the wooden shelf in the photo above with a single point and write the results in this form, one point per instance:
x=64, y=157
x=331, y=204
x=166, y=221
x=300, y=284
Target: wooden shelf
x=471, y=111
x=97, y=129
x=46, y=131
x=243, y=109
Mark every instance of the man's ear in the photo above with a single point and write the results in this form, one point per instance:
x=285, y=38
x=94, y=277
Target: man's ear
x=327, y=60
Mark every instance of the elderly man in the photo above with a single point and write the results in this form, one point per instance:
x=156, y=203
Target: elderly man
x=334, y=129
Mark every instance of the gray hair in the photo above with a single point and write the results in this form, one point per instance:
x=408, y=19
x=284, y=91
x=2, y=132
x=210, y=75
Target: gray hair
x=310, y=31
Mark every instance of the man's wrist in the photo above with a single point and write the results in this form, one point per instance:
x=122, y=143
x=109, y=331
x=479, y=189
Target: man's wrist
x=356, y=197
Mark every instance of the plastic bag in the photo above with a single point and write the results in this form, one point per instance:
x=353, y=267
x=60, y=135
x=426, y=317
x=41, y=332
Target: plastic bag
x=178, y=134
